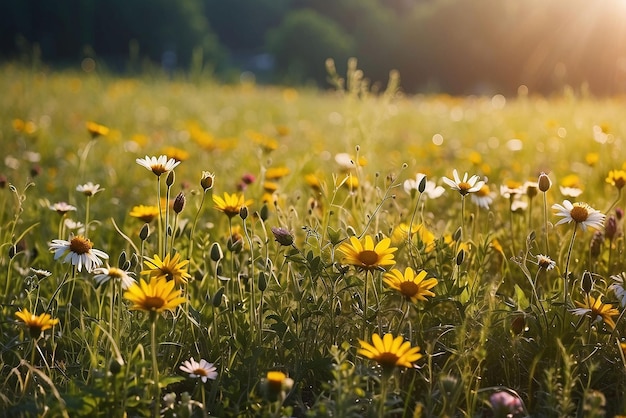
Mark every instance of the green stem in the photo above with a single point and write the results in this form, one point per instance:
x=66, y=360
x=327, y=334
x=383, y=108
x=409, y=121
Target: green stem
x=193, y=228
x=545, y=220
x=155, y=364
x=87, y=217
x=365, y=307
x=160, y=228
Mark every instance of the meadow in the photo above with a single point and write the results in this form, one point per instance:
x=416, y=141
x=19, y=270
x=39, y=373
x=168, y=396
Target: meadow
x=176, y=247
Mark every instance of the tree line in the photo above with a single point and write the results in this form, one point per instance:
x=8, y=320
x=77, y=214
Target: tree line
x=452, y=46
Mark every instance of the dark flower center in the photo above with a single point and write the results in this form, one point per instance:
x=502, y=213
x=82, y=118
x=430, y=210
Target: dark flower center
x=152, y=303
x=387, y=359
x=579, y=214
x=368, y=257
x=80, y=245
x=409, y=288
x=464, y=187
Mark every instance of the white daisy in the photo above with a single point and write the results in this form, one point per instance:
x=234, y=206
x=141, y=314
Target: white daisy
x=518, y=205
x=570, y=191
x=483, y=198
x=508, y=192
x=431, y=190
x=545, y=262
x=202, y=370
x=62, y=208
x=104, y=274
x=79, y=252
x=465, y=186
x=89, y=189
x=581, y=213
x=158, y=165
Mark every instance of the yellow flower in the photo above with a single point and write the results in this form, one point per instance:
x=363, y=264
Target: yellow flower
x=96, y=130
x=278, y=381
x=389, y=351
x=592, y=158
x=231, y=204
x=617, y=178
x=597, y=310
x=145, y=213
x=367, y=256
x=401, y=234
x=156, y=296
x=36, y=323
x=412, y=287
x=571, y=180
x=313, y=181
x=170, y=268
x=275, y=173
x=175, y=153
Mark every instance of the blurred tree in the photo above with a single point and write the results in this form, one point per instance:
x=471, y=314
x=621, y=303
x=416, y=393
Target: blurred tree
x=303, y=42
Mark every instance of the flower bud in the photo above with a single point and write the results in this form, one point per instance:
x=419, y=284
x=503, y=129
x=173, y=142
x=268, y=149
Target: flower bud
x=544, y=183
x=215, y=252
x=179, y=202
x=145, y=232
x=207, y=180
x=217, y=297
x=170, y=178
x=282, y=236
x=262, y=281
x=610, y=228
x=243, y=212
x=586, y=282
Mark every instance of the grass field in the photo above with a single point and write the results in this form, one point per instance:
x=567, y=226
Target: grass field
x=287, y=240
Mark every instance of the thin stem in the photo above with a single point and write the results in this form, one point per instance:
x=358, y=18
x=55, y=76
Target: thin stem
x=87, y=216
x=566, y=278
x=545, y=220
x=155, y=364
x=364, y=331
x=167, y=217
x=193, y=228
x=160, y=228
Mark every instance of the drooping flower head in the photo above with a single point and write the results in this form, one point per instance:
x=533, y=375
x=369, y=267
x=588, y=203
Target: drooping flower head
x=389, y=352
x=79, y=252
x=202, y=370
x=617, y=178
x=36, y=323
x=170, y=268
x=464, y=186
x=104, y=274
x=158, y=295
x=366, y=256
x=158, y=165
x=230, y=204
x=413, y=287
x=580, y=213
x=545, y=262
x=596, y=310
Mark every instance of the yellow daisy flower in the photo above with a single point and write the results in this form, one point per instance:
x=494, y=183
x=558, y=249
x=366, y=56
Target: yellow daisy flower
x=413, y=287
x=367, y=256
x=145, y=213
x=230, y=204
x=389, y=352
x=176, y=153
x=156, y=296
x=170, y=268
x=36, y=323
x=597, y=310
x=275, y=173
x=96, y=130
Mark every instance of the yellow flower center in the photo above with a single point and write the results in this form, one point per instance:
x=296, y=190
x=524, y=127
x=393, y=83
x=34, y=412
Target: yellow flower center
x=152, y=303
x=80, y=245
x=387, y=359
x=579, y=214
x=464, y=187
x=158, y=169
x=409, y=288
x=368, y=257
x=115, y=273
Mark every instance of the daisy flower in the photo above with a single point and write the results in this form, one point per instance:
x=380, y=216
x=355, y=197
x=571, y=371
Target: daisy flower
x=170, y=268
x=412, y=287
x=389, y=352
x=230, y=204
x=580, y=213
x=545, y=262
x=570, y=191
x=431, y=190
x=145, y=213
x=367, y=256
x=104, y=274
x=158, y=165
x=158, y=295
x=89, y=189
x=202, y=369
x=36, y=323
x=62, y=208
x=79, y=252
x=596, y=310
x=483, y=197
x=464, y=186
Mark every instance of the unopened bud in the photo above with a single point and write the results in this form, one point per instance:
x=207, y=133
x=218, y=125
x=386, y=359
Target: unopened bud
x=544, y=183
x=586, y=282
x=610, y=228
x=216, y=252
x=265, y=212
x=207, y=180
x=145, y=232
x=217, y=297
x=460, y=256
x=282, y=236
x=518, y=324
x=422, y=186
x=262, y=281
x=243, y=212
x=179, y=202
x=170, y=178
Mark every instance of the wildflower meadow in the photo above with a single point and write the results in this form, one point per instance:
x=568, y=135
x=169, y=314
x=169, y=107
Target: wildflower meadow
x=180, y=248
